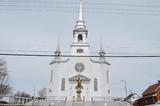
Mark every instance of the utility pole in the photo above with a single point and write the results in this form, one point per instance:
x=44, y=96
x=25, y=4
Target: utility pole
x=125, y=87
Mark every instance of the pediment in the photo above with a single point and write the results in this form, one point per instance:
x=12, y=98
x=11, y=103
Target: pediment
x=82, y=77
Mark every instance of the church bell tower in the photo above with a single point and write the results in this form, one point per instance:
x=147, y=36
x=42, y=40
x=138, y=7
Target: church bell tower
x=80, y=44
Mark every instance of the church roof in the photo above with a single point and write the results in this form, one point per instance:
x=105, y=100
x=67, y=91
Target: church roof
x=152, y=89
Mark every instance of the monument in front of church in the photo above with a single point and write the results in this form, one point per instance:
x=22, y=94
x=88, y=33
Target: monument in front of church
x=93, y=72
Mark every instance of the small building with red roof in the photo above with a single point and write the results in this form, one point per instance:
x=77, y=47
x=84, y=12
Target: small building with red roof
x=150, y=96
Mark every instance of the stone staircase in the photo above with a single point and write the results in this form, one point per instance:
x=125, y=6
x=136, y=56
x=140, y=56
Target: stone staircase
x=71, y=103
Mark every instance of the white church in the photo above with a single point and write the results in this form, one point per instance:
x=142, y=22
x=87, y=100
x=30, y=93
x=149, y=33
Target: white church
x=93, y=74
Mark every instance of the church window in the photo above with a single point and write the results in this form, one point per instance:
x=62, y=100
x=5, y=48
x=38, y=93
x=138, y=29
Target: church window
x=80, y=38
x=50, y=90
x=107, y=72
x=51, y=76
x=109, y=91
x=79, y=50
x=63, y=84
x=95, y=84
x=79, y=67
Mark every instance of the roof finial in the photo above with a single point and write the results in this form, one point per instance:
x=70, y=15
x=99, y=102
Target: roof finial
x=81, y=11
x=58, y=52
x=58, y=45
x=101, y=45
x=101, y=52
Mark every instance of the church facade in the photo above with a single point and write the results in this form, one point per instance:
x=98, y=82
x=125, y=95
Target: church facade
x=93, y=71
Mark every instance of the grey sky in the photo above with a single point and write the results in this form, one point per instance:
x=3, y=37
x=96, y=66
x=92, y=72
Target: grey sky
x=121, y=33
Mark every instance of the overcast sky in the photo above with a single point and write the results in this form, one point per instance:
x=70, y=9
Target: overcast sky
x=126, y=26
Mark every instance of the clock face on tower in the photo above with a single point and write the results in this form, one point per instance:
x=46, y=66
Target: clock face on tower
x=79, y=67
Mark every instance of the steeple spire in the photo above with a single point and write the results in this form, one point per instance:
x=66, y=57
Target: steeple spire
x=101, y=45
x=80, y=23
x=101, y=52
x=80, y=11
x=58, y=52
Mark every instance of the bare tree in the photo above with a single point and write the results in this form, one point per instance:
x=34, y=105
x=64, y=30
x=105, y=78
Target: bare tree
x=5, y=87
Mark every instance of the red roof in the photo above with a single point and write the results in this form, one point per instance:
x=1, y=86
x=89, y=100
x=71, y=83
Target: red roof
x=152, y=89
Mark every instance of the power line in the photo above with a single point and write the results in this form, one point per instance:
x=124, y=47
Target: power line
x=88, y=8
x=25, y=51
x=111, y=56
x=60, y=6
x=90, y=12
x=120, y=11
x=50, y=51
x=64, y=6
x=64, y=52
x=16, y=3
x=86, y=3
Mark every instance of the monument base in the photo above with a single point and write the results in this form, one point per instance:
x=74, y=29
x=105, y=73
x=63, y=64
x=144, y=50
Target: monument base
x=79, y=98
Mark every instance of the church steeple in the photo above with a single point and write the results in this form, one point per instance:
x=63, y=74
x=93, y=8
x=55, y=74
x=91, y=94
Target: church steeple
x=80, y=11
x=80, y=34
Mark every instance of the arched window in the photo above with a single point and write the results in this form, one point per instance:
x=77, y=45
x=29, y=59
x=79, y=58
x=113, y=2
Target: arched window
x=51, y=76
x=95, y=84
x=107, y=72
x=80, y=38
x=63, y=84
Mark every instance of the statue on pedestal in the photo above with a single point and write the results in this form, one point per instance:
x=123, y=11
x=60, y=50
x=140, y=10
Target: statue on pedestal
x=79, y=83
x=79, y=88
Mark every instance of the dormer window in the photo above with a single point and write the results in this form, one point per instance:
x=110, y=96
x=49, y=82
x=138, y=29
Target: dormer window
x=80, y=38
